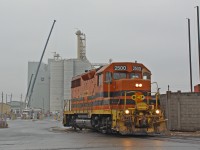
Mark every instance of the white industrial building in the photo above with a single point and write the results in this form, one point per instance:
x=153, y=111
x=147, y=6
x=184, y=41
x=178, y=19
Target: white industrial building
x=40, y=95
x=53, y=83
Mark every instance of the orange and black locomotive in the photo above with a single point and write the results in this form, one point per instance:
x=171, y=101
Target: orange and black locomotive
x=115, y=98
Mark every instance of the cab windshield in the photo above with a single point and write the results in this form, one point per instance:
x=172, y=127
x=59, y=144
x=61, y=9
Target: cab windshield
x=119, y=75
x=134, y=75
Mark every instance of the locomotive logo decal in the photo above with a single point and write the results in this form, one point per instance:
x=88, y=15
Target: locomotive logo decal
x=138, y=97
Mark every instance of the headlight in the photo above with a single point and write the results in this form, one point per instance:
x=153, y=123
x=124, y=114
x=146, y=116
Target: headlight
x=138, y=85
x=127, y=111
x=157, y=111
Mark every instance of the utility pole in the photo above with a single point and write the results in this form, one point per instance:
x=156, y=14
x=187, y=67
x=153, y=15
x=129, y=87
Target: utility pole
x=198, y=36
x=43, y=104
x=21, y=104
x=10, y=98
x=6, y=99
x=2, y=107
x=190, y=61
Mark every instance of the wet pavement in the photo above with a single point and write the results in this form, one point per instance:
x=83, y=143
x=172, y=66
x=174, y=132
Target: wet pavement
x=51, y=135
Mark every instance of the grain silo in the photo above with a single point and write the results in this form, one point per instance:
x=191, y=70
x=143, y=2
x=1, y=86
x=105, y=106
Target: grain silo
x=56, y=84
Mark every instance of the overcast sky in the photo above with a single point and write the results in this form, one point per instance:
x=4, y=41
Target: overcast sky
x=153, y=32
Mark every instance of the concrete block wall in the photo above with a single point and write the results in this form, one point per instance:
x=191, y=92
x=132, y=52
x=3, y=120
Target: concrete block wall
x=182, y=110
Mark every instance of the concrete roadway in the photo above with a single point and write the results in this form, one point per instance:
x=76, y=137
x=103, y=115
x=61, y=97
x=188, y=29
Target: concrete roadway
x=38, y=135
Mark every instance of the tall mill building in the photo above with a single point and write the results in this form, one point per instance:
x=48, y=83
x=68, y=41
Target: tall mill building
x=53, y=82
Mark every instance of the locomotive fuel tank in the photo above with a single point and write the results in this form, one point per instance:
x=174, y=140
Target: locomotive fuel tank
x=83, y=123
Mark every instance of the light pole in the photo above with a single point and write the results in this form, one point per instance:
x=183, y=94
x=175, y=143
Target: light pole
x=189, y=41
x=198, y=35
x=2, y=107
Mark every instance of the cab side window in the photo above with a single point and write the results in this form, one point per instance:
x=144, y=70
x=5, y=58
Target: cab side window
x=108, y=77
x=146, y=76
x=100, y=79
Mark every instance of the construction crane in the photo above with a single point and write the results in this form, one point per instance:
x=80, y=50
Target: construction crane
x=29, y=85
x=31, y=92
